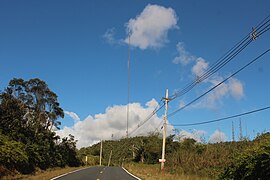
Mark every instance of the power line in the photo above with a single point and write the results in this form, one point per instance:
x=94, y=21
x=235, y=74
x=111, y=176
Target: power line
x=227, y=57
x=159, y=127
x=210, y=71
x=147, y=118
x=222, y=119
x=158, y=108
x=173, y=113
x=231, y=54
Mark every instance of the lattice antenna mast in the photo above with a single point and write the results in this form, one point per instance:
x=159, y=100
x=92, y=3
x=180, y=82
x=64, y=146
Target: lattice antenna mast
x=240, y=130
x=128, y=95
x=233, y=137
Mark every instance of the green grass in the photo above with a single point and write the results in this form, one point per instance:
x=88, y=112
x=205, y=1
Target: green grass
x=153, y=172
x=43, y=175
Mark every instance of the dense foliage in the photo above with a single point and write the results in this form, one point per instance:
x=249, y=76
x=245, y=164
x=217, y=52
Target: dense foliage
x=253, y=163
x=138, y=149
x=228, y=160
x=29, y=111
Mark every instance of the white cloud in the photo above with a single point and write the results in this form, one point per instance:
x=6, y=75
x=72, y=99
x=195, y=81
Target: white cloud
x=198, y=135
x=200, y=67
x=109, y=37
x=233, y=87
x=217, y=137
x=152, y=104
x=183, y=57
x=212, y=99
x=113, y=122
x=236, y=88
x=73, y=115
x=150, y=28
x=182, y=104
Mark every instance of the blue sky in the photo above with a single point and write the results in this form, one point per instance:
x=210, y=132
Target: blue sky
x=80, y=49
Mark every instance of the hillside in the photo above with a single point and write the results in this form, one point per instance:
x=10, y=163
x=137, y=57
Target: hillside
x=243, y=159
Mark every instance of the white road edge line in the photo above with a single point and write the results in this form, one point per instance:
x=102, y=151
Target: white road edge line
x=68, y=173
x=131, y=174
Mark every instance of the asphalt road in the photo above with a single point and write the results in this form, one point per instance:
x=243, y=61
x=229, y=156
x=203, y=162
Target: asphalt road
x=98, y=173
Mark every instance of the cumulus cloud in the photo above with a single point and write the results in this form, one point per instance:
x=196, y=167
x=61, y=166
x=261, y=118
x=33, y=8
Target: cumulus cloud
x=152, y=104
x=233, y=87
x=112, y=124
x=200, y=67
x=197, y=135
x=73, y=115
x=236, y=88
x=217, y=137
x=183, y=57
x=150, y=28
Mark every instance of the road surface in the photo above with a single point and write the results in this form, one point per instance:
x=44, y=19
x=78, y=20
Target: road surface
x=98, y=173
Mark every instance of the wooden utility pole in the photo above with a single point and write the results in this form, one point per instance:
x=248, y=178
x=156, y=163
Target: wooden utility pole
x=100, y=155
x=109, y=162
x=162, y=160
x=133, y=153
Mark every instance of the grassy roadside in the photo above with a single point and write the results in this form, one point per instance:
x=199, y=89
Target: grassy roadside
x=43, y=175
x=152, y=172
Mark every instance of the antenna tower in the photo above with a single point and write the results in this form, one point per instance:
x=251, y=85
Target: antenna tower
x=240, y=130
x=128, y=98
x=233, y=138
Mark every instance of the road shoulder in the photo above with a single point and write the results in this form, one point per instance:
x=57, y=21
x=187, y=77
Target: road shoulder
x=131, y=174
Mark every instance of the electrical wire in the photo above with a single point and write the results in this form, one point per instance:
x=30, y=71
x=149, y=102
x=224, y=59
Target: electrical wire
x=146, y=119
x=227, y=57
x=224, y=118
x=208, y=72
x=211, y=89
x=157, y=108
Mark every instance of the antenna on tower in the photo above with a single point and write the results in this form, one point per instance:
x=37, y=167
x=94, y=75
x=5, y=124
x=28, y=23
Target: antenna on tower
x=233, y=138
x=128, y=98
x=240, y=130
x=247, y=135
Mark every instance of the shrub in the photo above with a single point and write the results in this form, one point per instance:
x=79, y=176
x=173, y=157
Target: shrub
x=254, y=163
x=13, y=154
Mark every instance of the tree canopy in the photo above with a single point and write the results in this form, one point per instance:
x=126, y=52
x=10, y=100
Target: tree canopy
x=29, y=113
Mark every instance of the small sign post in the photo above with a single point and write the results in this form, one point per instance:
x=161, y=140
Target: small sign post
x=162, y=160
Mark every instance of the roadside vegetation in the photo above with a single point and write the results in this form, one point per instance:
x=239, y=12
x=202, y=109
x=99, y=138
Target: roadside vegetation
x=152, y=172
x=42, y=174
x=29, y=111
x=187, y=159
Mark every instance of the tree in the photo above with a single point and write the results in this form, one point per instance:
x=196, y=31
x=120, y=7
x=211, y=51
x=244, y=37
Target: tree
x=13, y=154
x=42, y=106
x=12, y=111
x=69, y=152
x=28, y=112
